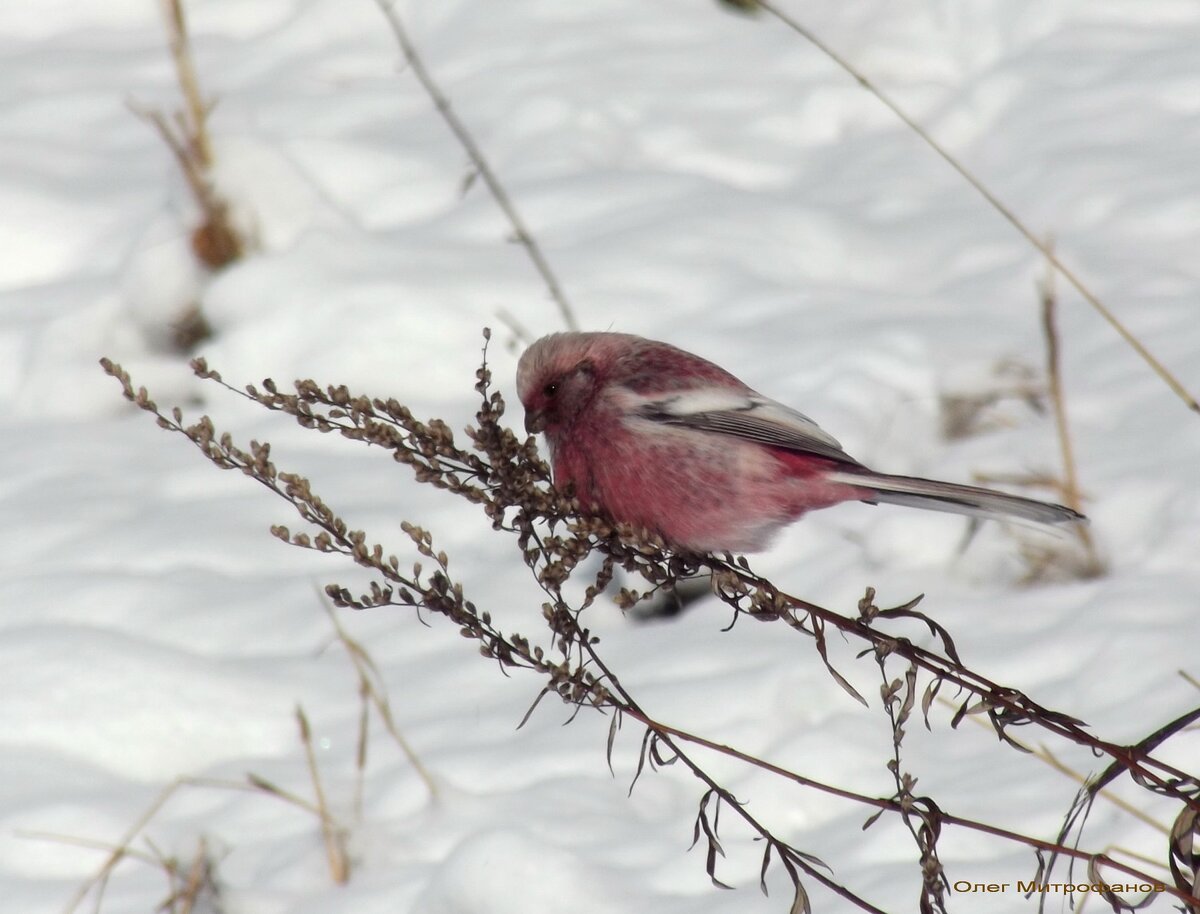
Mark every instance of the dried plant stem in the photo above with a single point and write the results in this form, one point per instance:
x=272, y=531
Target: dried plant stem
x=198, y=876
x=122, y=849
x=361, y=748
x=215, y=240
x=333, y=836
x=1070, y=488
x=1156, y=366
x=176, y=138
x=922, y=817
x=186, y=887
x=368, y=673
x=478, y=161
x=196, y=108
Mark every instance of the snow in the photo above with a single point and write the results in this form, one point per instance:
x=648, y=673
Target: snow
x=695, y=176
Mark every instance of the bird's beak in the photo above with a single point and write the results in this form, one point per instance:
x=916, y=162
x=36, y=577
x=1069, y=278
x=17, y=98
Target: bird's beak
x=535, y=421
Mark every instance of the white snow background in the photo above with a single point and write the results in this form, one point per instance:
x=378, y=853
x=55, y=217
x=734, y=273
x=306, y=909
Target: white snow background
x=695, y=176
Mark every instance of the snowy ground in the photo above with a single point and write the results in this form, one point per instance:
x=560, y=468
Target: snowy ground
x=695, y=176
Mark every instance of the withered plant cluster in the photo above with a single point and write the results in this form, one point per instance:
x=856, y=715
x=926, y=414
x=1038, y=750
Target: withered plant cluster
x=216, y=241
x=505, y=476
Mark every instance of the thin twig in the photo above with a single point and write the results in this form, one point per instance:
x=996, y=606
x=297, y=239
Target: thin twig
x=1161, y=370
x=478, y=161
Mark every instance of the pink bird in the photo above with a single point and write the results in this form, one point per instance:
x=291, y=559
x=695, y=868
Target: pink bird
x=654, y=436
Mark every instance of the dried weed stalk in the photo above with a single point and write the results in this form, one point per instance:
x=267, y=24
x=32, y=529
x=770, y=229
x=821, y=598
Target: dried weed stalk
x=192, y=882
x=506, y=477
x=333, y=836
x=192, y=885
x=216, y=241
x=1088, y=563
x=373, y=693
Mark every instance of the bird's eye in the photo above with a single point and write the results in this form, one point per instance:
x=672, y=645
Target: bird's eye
x=550, y=389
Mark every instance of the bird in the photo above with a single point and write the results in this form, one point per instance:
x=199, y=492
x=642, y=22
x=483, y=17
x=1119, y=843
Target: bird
x=645, y=433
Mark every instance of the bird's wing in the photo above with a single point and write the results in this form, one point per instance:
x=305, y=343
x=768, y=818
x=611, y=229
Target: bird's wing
x=744, y=414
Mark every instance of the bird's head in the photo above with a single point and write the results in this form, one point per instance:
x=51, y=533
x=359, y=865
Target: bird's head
x=558, y=377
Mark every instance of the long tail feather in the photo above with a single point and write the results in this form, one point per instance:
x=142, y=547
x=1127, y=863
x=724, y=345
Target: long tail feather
x=956, y=499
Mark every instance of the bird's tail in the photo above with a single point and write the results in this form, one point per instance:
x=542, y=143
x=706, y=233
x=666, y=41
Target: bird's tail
x=956, y=499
